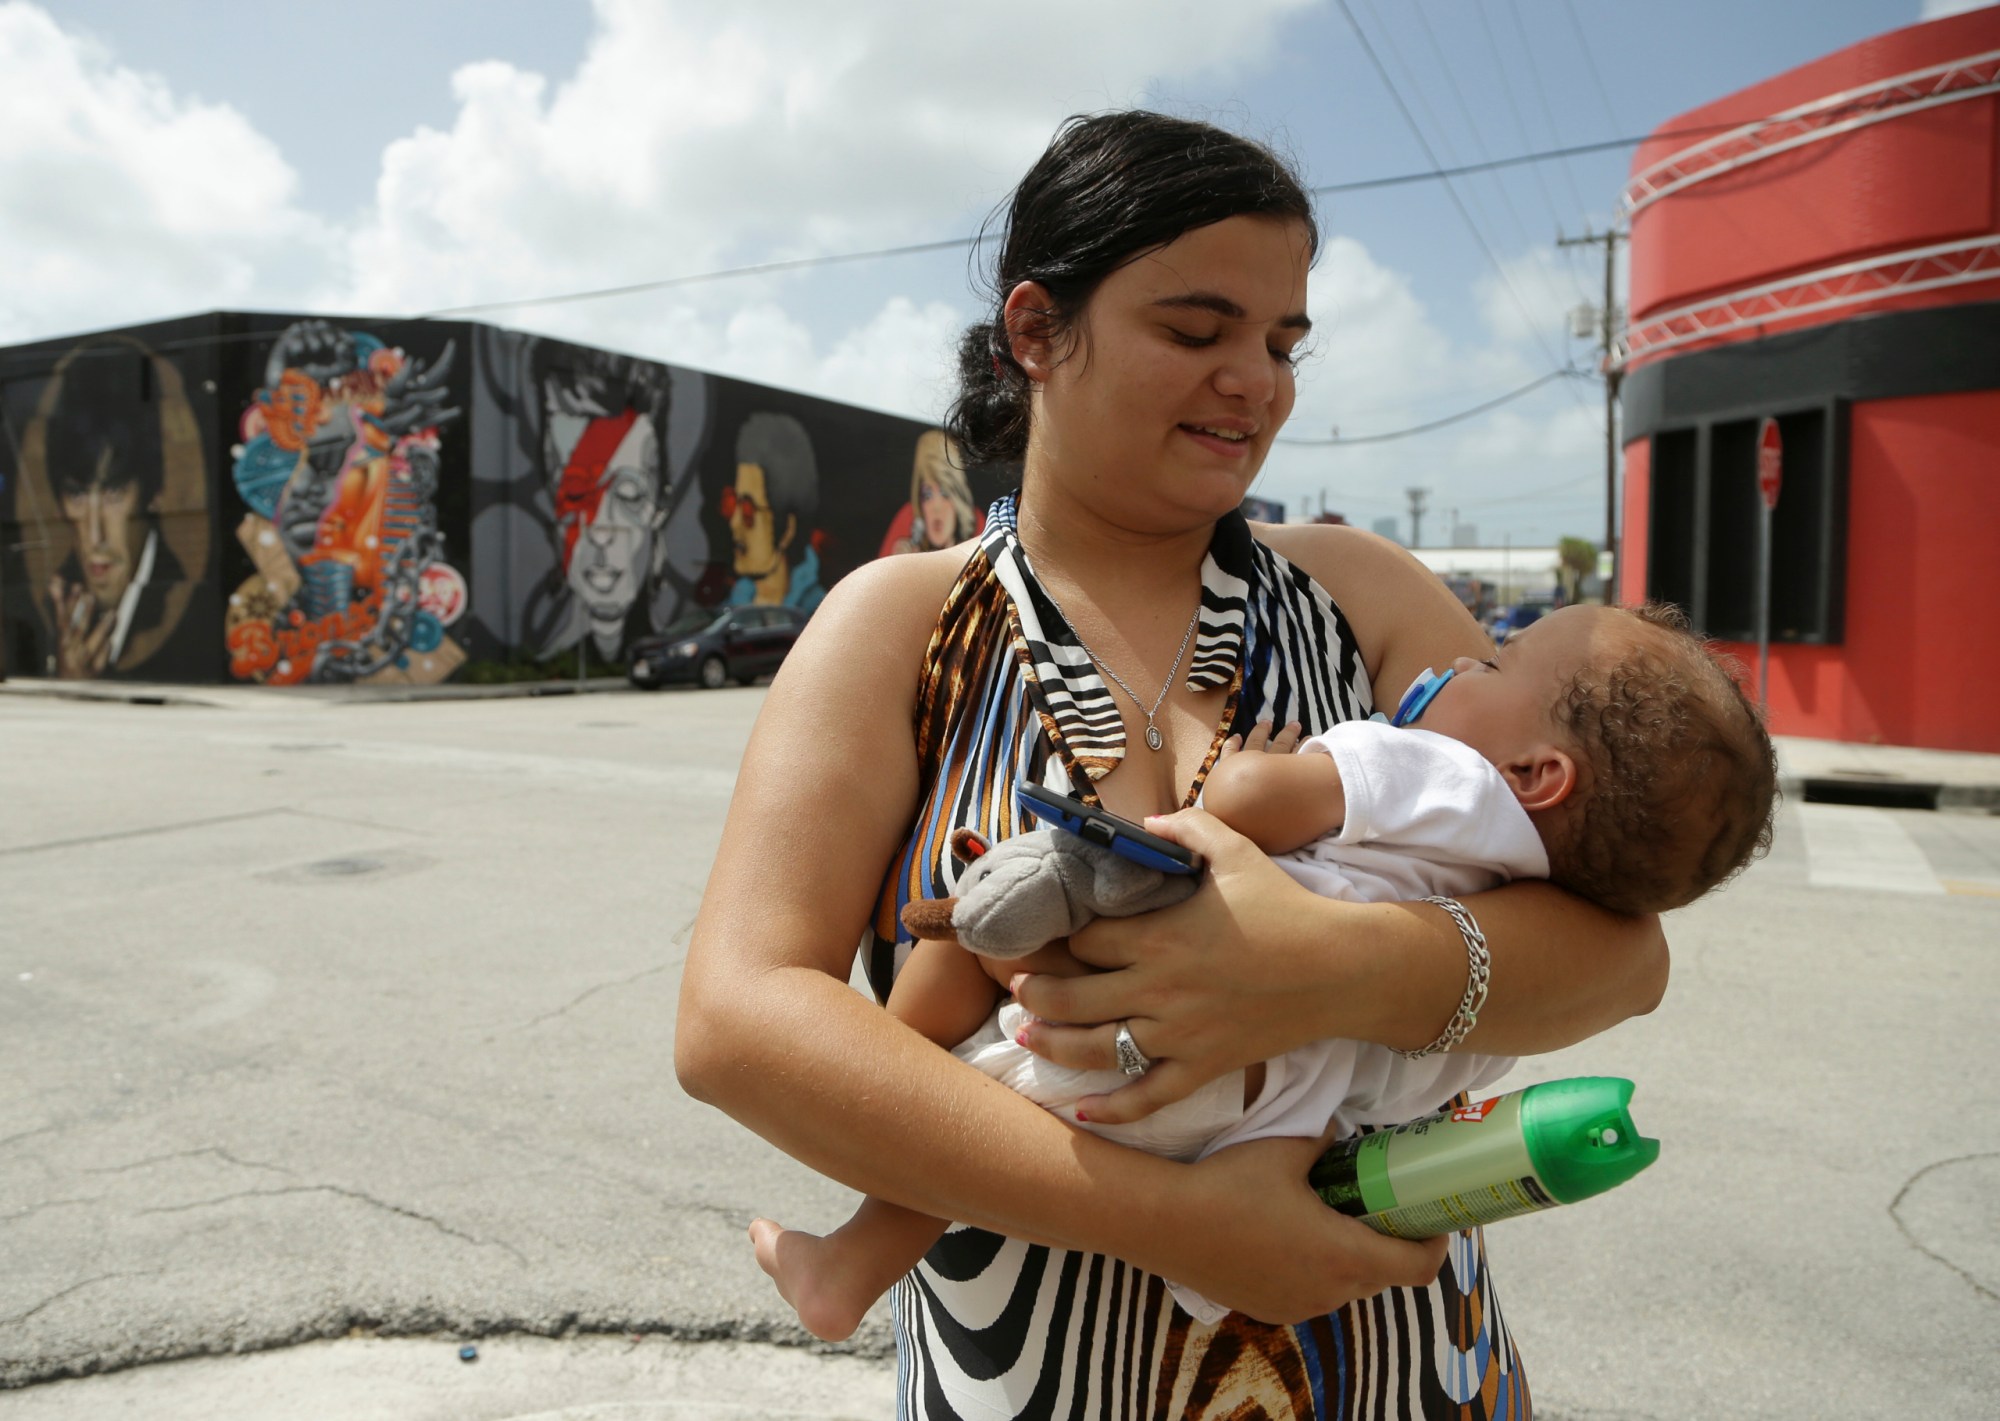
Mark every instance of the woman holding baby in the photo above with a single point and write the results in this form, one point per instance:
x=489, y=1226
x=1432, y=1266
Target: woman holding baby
x=1113, y=626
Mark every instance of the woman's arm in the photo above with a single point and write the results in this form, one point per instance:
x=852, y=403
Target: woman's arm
x=1253, y=964
x=770, y=1031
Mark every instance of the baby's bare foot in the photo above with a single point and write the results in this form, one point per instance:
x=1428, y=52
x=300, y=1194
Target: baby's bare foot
x=809, y=1274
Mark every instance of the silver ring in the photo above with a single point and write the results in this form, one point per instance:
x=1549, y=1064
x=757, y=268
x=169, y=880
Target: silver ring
x=1131, y=1060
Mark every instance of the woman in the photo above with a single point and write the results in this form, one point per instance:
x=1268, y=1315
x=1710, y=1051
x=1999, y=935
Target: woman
x=941, y=507
x=1150, y=294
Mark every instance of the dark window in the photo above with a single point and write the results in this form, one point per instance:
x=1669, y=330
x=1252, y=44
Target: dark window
x=1705, y=526
x=1670, y=560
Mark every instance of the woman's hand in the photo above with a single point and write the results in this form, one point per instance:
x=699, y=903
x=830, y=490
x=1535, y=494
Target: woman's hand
x=1291, y=1257
x=1207, y=987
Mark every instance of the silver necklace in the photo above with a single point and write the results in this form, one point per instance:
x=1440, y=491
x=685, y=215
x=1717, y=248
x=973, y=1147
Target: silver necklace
x=1154, y=740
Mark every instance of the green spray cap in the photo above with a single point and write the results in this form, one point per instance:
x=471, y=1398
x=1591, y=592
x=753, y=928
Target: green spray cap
x=1581, y=1137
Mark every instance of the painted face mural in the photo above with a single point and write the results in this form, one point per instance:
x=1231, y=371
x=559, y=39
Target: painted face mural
x=772, y=508
x=112, y=501
x=339, y=468
x=941, y=511
x=602, y=453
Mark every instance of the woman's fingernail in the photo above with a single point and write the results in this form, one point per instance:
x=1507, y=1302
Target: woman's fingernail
x=1021, y=1037
x=1081, y=1118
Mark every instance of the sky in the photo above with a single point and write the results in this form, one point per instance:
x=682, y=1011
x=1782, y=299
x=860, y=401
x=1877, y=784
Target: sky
x=409, y=158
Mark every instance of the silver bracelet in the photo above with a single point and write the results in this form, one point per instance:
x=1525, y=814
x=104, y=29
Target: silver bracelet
x=1478, y=970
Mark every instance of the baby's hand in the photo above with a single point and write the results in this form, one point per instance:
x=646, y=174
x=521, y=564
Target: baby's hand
x=1261, y=740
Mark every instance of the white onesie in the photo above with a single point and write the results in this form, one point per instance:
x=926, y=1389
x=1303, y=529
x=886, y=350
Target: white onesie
x=1426, y=815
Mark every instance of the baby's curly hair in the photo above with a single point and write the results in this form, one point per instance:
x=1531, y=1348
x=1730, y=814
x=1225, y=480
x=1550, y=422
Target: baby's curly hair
x=1678, y=777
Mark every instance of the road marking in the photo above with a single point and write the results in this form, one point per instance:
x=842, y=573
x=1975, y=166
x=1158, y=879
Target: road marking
x=1971, y=888
x=1848, y=846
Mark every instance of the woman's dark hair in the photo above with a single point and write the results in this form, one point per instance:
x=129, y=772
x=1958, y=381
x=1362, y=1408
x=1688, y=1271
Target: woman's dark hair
x=1109, y=188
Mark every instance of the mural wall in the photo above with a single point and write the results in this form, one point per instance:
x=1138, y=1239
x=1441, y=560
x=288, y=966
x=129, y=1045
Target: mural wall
x=290, y=501
x=106, y=499
x=336, y=474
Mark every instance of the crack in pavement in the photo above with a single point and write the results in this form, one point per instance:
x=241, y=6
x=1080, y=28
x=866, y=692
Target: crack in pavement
x=215, y=1150
x=678, y=939
x=590, y=992
x=30, y=1134
x=116, y=834
x=355, y=1194
x=873, y=1343
x=1916, y=1243
x=30, y=1210
x=75, y=1288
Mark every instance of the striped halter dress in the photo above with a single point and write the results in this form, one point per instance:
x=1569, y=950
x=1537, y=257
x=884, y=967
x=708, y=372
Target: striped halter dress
x=989, y=1327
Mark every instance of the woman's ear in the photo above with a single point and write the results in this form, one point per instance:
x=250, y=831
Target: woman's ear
x=1542, y=779
x=1031, y=334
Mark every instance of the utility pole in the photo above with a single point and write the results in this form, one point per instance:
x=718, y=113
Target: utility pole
x=1607, y=331
x=1417, y=498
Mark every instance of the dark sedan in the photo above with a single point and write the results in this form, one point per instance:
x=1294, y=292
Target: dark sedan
x=716, y=647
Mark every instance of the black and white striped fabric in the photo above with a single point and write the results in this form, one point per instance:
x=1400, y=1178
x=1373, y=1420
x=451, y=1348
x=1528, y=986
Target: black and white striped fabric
x=989, y=1327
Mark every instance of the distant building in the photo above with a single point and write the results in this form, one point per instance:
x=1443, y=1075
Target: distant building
x=1503, y=575
x=1465, y=535
x=1264, y=510
x=1387, y=528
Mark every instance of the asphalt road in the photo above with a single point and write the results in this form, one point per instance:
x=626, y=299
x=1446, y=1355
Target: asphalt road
x=331, y=1021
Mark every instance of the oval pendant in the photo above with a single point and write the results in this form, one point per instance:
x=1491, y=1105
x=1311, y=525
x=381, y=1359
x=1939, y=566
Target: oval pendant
x=1153, y=741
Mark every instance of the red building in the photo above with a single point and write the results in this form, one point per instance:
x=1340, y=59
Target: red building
x=1823, y=249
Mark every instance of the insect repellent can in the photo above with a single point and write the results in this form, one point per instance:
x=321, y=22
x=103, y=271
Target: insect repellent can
x=1524, y=1151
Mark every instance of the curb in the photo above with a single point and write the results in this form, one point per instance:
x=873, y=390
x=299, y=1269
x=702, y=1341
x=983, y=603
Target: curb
x=1890, y=792
x=161, y=695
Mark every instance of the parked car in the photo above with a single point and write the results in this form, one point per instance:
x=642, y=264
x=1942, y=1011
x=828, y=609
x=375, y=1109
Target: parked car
x=1522, y=614
x=716, y=647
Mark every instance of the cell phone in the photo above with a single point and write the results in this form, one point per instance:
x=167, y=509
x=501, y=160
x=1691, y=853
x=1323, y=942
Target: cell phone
x=1100, y=826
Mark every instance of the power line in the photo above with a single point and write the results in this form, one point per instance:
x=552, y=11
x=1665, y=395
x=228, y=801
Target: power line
x=1424, y=175
x=1491, y=256
x=1544, y=278
x=1425, y=428
x=1542, y=95
x=760, y=269
x=1590, y=60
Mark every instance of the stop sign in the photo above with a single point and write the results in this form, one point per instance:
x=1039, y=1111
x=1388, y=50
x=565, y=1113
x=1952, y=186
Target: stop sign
x=1770, y=462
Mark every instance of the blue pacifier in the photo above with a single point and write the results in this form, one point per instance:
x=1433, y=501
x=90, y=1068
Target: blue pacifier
x=1418, y=698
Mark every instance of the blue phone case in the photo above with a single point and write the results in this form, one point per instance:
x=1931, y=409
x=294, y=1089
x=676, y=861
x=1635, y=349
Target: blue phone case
x=1099, y=826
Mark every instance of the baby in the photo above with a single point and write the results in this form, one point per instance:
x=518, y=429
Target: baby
x=1605, y=749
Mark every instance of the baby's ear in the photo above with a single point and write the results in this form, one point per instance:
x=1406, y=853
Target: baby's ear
x=1542, y=779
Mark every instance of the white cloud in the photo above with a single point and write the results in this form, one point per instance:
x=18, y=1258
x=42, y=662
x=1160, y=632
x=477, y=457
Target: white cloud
x=695, y=137
x=120, y=201
x=1938, y=9
x=692, y=136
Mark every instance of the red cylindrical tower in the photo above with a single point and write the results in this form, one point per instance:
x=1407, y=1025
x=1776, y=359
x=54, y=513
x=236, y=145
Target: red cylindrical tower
x=1823, y=249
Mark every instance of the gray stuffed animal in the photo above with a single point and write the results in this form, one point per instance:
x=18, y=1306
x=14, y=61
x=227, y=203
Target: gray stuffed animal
x=1022, y=893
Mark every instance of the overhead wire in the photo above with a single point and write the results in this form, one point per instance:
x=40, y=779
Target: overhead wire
x=1421, y=175
x=1544, y=277
x=1590, y=62
x=1521, y=137
x=1429, y=425
x=1491, y=256
x=1542, y=95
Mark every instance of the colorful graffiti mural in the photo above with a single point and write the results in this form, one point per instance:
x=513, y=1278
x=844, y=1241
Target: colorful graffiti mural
x=110, y=513
x=941, y=511
x=417, y=501
x=339, y=469
x=772, y=506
